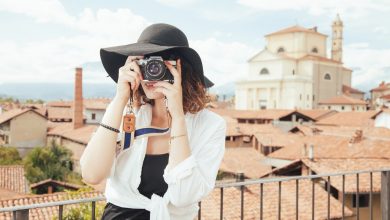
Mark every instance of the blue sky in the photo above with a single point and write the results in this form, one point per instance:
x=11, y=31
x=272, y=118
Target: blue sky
x=43, y=40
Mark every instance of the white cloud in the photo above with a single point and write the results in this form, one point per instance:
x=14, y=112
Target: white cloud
x=55, y=59
x=223, y=61
x=177, y=3
x=371, y=64
x=320, y=7
x=40, y=10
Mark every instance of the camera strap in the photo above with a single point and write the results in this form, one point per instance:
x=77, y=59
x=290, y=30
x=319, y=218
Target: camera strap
x=129, y=137
x=130, y=133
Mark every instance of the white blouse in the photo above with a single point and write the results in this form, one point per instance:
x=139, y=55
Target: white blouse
x=188, y=182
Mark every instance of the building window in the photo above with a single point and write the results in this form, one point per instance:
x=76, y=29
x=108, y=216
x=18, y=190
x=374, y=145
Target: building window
x=342, y=107
x=363, y=200
x=293, y=72
x=313, y=97
x=308, y=97
x=314, y=50
x=263, y=104
x=300, y=96
x=327, y=76
x=93, y=116
x=281, y=50
x=264, y=71
x=329, y=107
x=6, y=139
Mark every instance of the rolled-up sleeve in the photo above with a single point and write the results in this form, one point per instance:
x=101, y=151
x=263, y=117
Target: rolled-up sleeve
x=194, y=178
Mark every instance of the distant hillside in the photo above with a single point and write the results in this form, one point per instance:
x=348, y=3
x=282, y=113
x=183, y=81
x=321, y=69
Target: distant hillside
x=93, y=71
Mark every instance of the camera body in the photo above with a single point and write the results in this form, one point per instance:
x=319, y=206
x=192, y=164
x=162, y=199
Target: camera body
x=153, y=69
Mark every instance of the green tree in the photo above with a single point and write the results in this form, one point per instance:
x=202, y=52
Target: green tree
x=82, y=211
x=53, y=162
x=9, y=156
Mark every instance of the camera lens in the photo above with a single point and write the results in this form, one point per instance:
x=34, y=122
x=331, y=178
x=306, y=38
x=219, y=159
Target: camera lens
x=155, y=69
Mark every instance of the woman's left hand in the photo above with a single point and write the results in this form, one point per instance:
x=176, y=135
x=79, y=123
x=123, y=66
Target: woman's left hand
x=173, y=92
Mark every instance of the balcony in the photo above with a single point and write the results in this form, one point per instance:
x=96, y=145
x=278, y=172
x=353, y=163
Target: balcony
x=291, y=197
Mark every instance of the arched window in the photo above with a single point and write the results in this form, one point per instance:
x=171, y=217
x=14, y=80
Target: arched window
x=327, y=76
x=280, y=50
x=264, y=71
x=314, y=50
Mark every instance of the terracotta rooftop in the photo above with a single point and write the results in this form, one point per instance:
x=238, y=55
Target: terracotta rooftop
x=12, y=179
x=352, y=118
x=348, y=131
x=8, y=115
x=88, y=103
x=316, y=114
x=44, y=213
x=324, y=166
x=342, y=100
x=386, y=97
x=57, y=113
x=279, y=139
x=232, y=207
x=239, y=129
x=318, y=58
x=328, y=146
x=81, y=135
x=306, y=130
x=295, y=28
x=57, y=182
x=244, y=159
x=351, y=90
x=382, y=87
x=8, y=194
x=253, y=114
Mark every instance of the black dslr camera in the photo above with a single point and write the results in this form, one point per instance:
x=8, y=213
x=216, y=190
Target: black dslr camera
x=153, y=69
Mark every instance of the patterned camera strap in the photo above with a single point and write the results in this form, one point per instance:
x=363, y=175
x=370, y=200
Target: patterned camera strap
x=141, y=133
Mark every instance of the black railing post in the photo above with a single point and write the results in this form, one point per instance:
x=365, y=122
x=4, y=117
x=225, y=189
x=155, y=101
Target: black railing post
x=93, y=210
x=21, y=214
x=385, y=195
x=60, y=211
x=199, y=211
x=221, y=211
x=242, y=202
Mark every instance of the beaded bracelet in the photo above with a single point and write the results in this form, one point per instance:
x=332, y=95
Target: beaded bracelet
x=109, y=127
x=173, y=137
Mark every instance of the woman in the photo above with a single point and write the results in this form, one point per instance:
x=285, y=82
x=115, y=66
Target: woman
x=165, y=175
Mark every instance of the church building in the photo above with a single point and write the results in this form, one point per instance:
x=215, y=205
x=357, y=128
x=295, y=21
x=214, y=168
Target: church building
x=293, y=70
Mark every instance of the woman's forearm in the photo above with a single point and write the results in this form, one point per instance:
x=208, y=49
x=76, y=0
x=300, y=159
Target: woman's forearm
x=180, y=148
x=99, y=154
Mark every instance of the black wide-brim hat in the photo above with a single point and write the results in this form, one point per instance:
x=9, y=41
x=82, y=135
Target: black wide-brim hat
x=155, y=38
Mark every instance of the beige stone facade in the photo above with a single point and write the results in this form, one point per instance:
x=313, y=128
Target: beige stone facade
x=293, y=71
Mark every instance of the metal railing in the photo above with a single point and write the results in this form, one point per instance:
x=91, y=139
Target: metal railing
x=22, y=212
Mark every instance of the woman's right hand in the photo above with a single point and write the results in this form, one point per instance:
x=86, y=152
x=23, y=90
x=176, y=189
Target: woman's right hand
x=128, y=74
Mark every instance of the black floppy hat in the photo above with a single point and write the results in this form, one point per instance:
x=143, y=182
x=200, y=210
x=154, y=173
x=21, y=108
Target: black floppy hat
x=155, y=38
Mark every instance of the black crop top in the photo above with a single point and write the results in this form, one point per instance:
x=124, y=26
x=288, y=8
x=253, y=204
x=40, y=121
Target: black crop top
x=152, y=181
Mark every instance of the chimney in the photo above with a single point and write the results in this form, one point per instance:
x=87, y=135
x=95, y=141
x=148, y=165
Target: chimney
x=357, y=137
x=311, y=152
x=315, y=28
x=304, y=150
x=78, y=99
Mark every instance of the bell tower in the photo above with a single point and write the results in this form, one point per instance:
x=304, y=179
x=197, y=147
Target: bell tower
x=337, y=39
